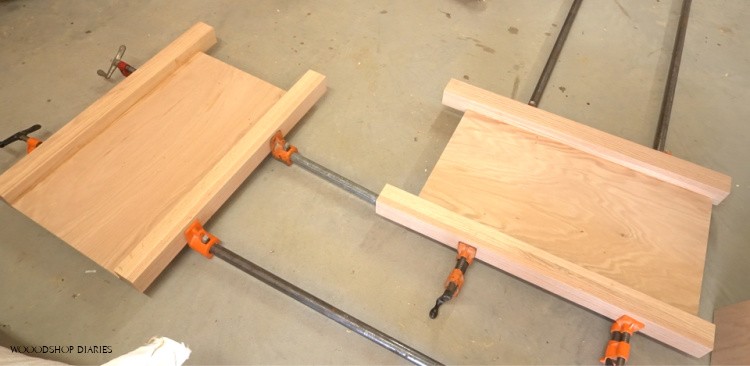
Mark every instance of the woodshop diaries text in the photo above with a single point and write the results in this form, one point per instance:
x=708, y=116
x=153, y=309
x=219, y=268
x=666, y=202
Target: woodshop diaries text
x=61, y=349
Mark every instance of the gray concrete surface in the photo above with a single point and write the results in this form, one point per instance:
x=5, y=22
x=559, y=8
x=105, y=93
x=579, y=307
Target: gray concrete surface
x=381, y=121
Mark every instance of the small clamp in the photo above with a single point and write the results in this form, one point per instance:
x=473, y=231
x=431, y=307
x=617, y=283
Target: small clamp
x=618, y=347
x=117, y=64
x=200, y=240
x=464, y=257
x=23, y=135
x=282, y=150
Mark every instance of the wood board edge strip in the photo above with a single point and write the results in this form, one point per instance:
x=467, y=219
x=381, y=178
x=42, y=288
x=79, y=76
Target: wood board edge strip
x=154, y=252
x=666, y=323
x=31, y=169
x=463, y=96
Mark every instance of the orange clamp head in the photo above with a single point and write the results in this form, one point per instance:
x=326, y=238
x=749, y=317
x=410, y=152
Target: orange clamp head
x=279, y=148
x=628, y=325
x=619, y=344
x=466, y=251
x=200, y=240
x=31, y=144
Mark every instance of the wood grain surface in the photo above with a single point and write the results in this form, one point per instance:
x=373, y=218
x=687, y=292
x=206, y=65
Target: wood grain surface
x=107, y=196
x=32, y=168
x=732, y=335
x=157, y=248
x=612, y=299
x=635, y=229
x=463, y=96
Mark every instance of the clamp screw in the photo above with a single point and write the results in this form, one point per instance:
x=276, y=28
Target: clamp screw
x=205, y=239
x=117, y=64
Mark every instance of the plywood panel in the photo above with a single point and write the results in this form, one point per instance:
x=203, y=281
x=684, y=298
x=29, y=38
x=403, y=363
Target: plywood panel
x=605, y=296
x=121, y=183
x=98, y=116
x=169, y=145
x=630, y=227
x=152, y=254
x=732, y=335
x=712, y=184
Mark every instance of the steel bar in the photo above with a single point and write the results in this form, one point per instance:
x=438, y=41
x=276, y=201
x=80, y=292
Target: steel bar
x=536, y=96
x=660, y=140
x=334, y=178
x=322, y=307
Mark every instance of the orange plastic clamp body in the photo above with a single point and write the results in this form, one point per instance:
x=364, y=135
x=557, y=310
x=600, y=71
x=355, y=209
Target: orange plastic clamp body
x=200, y=240
x=621, y=349
x=31, y=144
x=457, y=276
x=466, y=251
x=278, y=148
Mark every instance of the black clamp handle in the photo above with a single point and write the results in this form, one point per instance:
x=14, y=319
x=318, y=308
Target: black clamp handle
x=20, y=135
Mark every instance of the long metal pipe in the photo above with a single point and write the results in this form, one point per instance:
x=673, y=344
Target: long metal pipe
x=333, y=313
x=555, y=54
x=334, y=178
x=660, y=140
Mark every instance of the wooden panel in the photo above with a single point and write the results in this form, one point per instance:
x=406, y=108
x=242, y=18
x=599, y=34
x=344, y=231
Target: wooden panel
x=664, y=322
x=160, y=154
x=635, y=229
x=714, y=185
x=732, y=335
x=105, y=198
x=97, y=117
x=152, y=254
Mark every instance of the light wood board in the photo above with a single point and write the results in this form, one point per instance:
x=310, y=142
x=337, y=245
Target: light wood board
x=601, y=221
x=123, y=191
x=643, y=232
x=600, y=294
x=732, y=335
x=100, y=114
x=712, y=184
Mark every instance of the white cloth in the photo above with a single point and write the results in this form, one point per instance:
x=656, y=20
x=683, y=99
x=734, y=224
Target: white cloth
x=159, y=351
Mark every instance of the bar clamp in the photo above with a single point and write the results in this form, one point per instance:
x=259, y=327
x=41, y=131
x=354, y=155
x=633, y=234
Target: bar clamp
x=464, y=257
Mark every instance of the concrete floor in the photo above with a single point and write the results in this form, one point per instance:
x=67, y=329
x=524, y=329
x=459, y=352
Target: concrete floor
x=381, y=121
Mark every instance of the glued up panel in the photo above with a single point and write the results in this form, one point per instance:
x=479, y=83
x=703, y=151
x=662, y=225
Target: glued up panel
x=168, y=145
x=104, y=199
x=635, y=229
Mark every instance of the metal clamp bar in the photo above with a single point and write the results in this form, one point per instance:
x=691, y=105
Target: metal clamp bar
x=555, y=54
x=334, y=178
x=660, y=140
x=322, y=307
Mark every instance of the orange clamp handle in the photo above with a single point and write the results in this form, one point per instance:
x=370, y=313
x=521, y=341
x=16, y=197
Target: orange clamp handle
x=279, y=150
x=200, y=240
x=456, y=277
